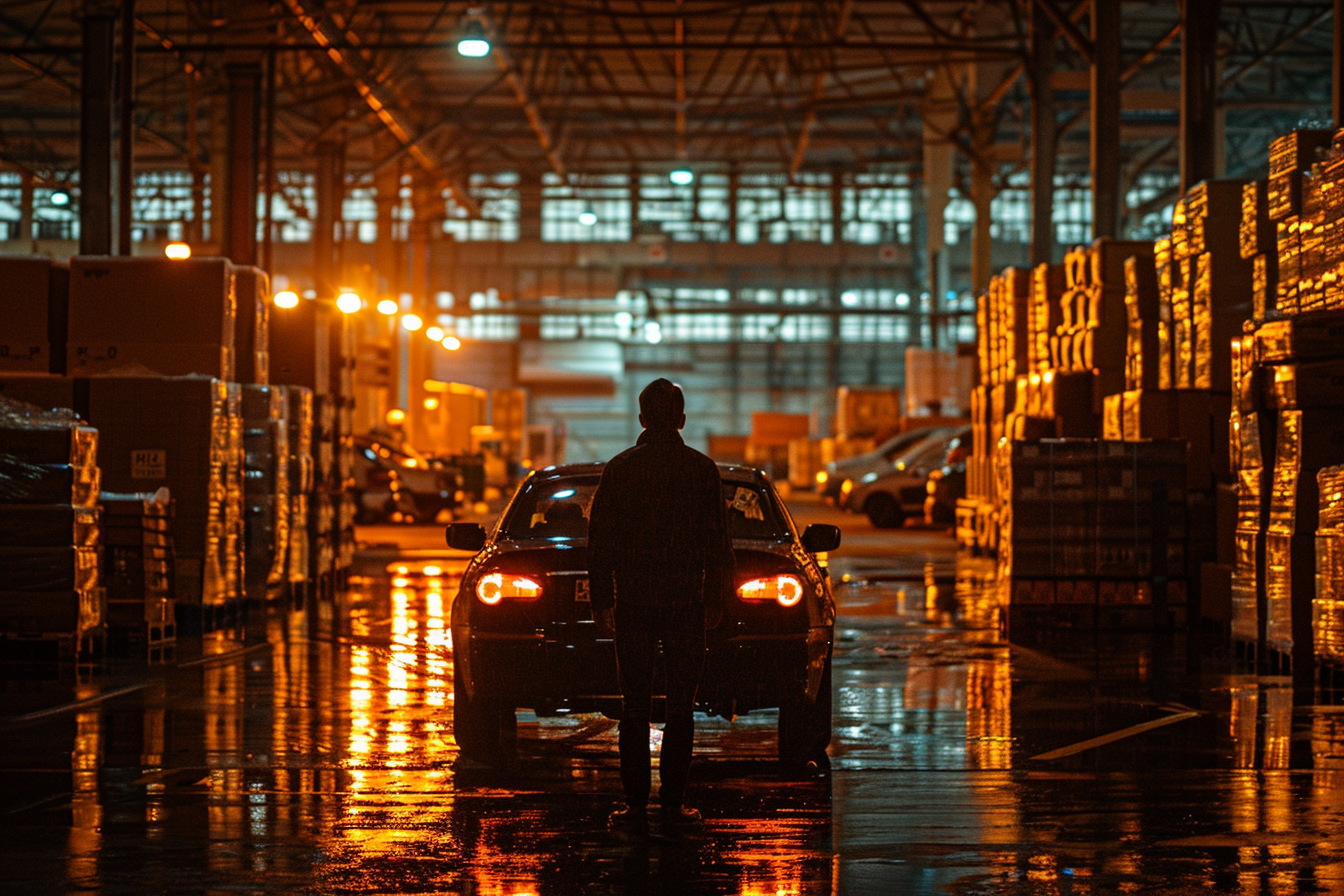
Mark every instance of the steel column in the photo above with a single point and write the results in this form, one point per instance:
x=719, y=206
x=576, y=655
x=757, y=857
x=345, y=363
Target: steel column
x=241, y=167
x=330, y=188
x=126, y=136
x=1199, y=91
x=1105, y=112
x=26, y=207
x=1041, y=64
x=95, y=131
x=982, y=196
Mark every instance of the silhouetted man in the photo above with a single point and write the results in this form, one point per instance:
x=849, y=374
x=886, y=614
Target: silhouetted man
x=660, y=563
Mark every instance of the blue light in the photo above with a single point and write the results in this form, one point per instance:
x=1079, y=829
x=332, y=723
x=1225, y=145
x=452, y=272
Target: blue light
x=563, y=493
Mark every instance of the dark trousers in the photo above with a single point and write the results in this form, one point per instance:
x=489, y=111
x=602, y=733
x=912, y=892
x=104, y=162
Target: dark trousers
x=683, y=643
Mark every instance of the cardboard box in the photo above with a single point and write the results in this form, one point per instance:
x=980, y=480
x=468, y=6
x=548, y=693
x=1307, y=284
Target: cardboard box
x=172, y=318
x=1215, y=593
x=32, y=306
x=252, y=289
x=300, y=347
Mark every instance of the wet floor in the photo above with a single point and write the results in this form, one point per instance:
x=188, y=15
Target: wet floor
x=314, y=753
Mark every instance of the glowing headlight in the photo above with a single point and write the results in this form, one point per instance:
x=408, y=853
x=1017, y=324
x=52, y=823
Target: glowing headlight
x=846, y=487
x=496, y=586
x=787, y=590
x=822, y=476
x=869, y=477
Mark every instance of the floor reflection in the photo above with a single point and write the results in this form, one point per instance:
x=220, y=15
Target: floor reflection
x=313, y=752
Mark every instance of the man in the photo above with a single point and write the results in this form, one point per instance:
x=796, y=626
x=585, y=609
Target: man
x=660, y=562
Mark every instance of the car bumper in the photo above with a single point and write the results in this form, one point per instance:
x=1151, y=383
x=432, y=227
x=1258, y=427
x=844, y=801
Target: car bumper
x=741, y=673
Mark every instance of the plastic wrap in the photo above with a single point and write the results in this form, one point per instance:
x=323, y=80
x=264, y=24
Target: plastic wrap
x=1306, y=337
x=43, y=525
x=49, y=568
x=1328, y=607
x=22, y=482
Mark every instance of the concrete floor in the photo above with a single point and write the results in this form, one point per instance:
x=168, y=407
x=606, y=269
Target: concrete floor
x=314, y=754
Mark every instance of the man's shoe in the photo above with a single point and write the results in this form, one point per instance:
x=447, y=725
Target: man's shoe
x=678, y=820
x=629, y=822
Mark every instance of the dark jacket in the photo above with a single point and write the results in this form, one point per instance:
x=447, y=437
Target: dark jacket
x=658, y=530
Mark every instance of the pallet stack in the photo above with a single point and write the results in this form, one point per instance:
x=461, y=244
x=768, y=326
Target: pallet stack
x=266, y=510
x=138, y=560
x=1287, y=424
x=299, y=472
x=52, y=603
x=1328, y=607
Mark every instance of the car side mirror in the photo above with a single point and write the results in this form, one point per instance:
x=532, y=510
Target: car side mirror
x=465, y=536
x=819, y=538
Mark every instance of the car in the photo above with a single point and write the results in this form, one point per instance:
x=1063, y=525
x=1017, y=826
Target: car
x=524, y=636
x=830, y=479
x=889, y=498
x=395, y=483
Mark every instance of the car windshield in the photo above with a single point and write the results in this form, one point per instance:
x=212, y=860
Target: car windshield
x=557, y=510
x=894, y=448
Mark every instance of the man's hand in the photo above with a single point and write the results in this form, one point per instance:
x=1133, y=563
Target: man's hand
x=606, y=621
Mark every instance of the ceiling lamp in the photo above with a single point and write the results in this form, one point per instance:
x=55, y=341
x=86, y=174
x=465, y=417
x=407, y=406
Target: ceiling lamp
x=349, y=302
x=388, y=307
x=452, y=343
x=587, y=217
x=411, y=322
x=472, y=41
x=286, y=299
x=653, y=332
x=177, y=251
x=434, y=333
x=681, y=176
x=60, y=198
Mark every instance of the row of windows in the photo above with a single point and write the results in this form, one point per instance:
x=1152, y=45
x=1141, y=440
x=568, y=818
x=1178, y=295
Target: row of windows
x=673, y=327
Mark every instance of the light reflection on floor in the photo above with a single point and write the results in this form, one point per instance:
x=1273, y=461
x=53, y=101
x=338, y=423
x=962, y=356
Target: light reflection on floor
x=315, y=754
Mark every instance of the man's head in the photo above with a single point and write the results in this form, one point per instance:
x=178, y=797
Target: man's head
x=661, y=406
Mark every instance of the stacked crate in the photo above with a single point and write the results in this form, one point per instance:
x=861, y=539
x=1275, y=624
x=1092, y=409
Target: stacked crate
x=266, y=510
x=342, y=482
x=1288, y=366
x=1093, y=533
x=299, y=443
x=138, y=562
x=321, y=513
x=52, y=604
x=1328, y=607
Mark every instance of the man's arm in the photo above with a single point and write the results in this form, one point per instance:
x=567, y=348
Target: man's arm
x=719, y=563
x=602, y=537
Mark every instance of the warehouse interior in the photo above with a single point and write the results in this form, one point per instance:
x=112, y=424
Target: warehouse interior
x=1038, y=301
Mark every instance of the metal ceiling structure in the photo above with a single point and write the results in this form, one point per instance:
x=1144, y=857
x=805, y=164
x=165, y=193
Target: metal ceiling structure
x=580, y=86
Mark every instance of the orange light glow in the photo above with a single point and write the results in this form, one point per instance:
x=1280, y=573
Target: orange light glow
x=177, y=251
x=493, y=588
x=786, y=590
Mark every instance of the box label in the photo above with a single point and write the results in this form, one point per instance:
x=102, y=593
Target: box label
x=149, y=463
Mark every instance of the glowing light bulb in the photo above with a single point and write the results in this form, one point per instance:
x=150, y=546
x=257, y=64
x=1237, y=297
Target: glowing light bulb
x=434, y=333
x=411, y=322
x=388, y=307
x=287, y=298
x=349, y=302
x=587, y=218
x=177, y=251
x=681, y=176
x=452, y=343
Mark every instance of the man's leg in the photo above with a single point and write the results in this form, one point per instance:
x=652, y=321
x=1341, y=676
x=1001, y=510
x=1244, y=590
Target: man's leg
x=634, y=665
x=684, y=653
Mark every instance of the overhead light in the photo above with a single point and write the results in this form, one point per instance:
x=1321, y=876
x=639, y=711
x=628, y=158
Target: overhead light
x=177, y=251
x=434, y=333
x=431, y=403
x=349, y=302
x=653, y=332
x=624, y=319
x=60, y=198
x=681, y=176
x=411, y=322
x=396, y=416
x=388, y=307
x=452, y=343
x=587, y=218
x=287, y=298
x=473, y=43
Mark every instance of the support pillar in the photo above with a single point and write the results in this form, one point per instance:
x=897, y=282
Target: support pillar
x=126, y=126
x=330, y=189
x=241, y=165
x=95, y=130
x=268, y=166
x=1105, y=118
x=1041, y=64
x=982, y=196
x=26, y=207
x=837, y=207
x=1337, y=67
x=529, y=207
x=733, y=179
x=1199, y=91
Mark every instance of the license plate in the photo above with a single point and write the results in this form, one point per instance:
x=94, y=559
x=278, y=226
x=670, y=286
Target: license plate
x=581, y=591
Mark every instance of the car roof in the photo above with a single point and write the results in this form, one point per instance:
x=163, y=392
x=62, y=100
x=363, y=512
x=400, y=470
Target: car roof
x=729, y=472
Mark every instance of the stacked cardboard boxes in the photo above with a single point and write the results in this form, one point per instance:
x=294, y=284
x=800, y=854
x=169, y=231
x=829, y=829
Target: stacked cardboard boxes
x=138, y=560
x=299, y=443
x=52, y=604
x=33, y=306
x=266, y=511
x=1328, y=606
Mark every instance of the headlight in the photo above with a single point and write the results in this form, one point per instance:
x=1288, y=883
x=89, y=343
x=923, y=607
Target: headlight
x=869, y=477
x=822, y=477
x=496, y=586
x=787, y=590
x=846, y=487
